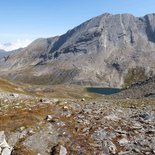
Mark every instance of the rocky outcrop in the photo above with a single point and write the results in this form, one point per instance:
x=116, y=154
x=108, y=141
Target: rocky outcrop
x=101, y=51
x=141, y=89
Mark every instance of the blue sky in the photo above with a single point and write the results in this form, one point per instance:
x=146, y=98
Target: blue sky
x=31, y=19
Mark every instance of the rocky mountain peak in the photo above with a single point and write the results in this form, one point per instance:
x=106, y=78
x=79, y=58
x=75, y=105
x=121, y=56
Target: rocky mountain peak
x=101, y=51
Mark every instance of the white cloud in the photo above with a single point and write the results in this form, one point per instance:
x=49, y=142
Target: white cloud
x=15, y=45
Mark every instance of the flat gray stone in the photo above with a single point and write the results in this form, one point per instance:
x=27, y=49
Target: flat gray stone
x=3, y=143
x=6, y=151
x=63, y=150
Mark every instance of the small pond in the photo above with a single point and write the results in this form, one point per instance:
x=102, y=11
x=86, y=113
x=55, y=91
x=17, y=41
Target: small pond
x=105, y=91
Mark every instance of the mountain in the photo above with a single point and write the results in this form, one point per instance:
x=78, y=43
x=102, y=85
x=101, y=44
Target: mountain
x=3, y=53
x=108, y=50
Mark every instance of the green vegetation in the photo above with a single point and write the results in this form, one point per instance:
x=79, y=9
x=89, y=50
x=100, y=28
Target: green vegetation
x=134, y=75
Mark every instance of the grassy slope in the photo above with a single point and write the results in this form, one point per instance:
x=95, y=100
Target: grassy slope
x=9, y=86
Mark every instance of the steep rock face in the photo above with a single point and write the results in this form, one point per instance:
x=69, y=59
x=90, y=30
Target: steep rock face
x=100, y=51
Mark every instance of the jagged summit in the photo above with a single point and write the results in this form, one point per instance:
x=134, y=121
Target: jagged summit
x=104, y=50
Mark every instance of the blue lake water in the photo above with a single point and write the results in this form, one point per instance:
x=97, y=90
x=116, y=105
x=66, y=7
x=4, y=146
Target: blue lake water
x=105, y=91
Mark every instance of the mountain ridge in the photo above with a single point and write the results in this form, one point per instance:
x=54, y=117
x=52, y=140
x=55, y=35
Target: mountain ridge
x=103, y=51
x=4, y=53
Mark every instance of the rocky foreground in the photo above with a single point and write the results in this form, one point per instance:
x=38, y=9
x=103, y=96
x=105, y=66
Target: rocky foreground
x=49, y=126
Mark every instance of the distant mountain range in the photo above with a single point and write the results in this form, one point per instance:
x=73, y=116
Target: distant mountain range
x=3, y=53
x=108, y=50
